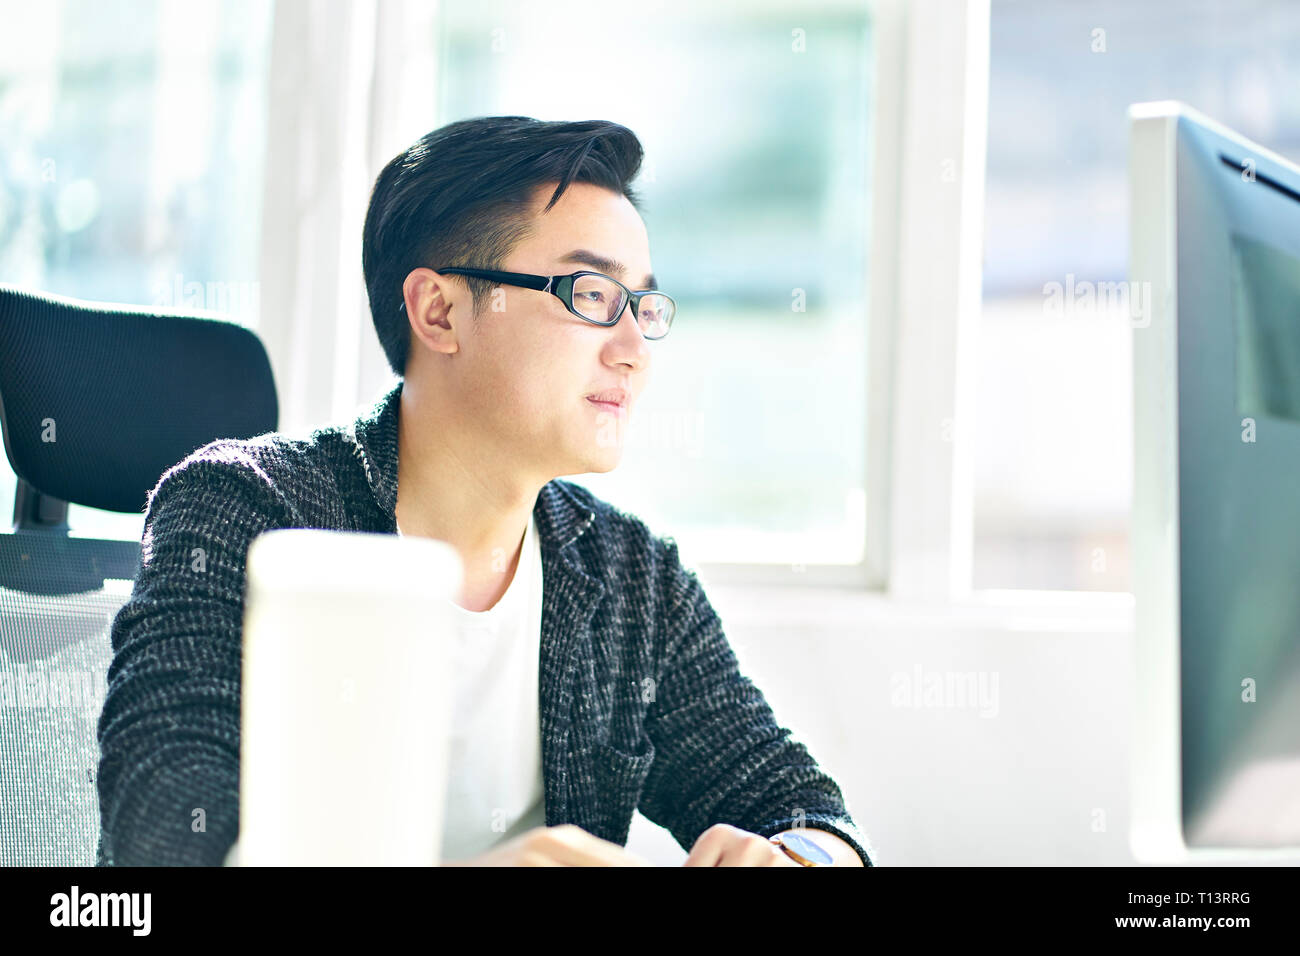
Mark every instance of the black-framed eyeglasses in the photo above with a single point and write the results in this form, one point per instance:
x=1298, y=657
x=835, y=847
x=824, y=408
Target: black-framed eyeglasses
x=591, y=296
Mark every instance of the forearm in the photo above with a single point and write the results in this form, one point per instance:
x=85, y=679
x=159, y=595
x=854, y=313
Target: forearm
x=184, y=813
x=721, y=754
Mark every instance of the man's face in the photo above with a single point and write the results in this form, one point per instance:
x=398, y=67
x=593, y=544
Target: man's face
x=526, y=372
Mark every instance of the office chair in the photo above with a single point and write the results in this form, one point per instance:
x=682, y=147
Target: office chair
x=96, y=402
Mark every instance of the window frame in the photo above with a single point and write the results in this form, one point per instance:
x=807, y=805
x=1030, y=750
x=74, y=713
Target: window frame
x=930, y=102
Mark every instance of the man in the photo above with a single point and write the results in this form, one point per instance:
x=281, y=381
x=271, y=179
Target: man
x=510, y=285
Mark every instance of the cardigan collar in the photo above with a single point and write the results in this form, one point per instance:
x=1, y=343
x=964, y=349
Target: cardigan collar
x=561, y=517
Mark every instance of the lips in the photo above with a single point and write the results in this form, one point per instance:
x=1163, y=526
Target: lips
x=613, y=407
x=610, y=396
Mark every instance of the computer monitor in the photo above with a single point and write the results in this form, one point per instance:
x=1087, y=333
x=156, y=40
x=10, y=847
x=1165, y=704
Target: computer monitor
x=1215, y=252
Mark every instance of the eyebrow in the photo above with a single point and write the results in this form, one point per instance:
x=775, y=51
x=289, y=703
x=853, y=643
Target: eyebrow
x=606, y=265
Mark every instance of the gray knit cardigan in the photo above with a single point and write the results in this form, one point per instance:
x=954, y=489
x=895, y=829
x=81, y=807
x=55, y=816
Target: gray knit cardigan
x=642, y=703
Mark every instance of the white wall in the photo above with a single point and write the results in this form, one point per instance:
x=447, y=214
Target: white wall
x=1042, y=780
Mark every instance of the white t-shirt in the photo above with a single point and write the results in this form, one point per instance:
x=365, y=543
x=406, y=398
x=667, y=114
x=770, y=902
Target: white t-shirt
x=494, y=782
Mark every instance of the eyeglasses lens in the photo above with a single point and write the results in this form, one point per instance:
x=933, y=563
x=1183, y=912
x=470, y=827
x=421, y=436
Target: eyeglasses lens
x=601, y=300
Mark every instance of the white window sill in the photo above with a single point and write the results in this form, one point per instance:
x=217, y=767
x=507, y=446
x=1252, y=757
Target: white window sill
x=987, y=610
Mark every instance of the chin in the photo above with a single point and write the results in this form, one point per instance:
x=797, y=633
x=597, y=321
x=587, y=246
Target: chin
x=605, y=463
x=591, y=464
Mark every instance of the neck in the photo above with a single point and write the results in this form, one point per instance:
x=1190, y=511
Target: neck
x=456, y=486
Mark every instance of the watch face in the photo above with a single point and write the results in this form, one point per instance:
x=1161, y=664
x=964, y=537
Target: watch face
x=806, y=848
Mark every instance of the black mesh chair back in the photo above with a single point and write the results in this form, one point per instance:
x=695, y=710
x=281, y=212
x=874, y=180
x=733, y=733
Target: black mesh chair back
x=96, y=402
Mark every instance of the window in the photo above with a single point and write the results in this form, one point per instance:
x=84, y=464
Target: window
x=749, y=443
x=132, y=164
x=1053, y=479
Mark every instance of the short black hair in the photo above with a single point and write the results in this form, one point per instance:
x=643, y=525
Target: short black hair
x=460, y=194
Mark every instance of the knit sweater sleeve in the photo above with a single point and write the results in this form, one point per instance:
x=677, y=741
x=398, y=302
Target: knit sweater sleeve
x=720, y=754
x=168, y=776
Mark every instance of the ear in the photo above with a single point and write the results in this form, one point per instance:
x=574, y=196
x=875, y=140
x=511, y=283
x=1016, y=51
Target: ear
x=433, y=309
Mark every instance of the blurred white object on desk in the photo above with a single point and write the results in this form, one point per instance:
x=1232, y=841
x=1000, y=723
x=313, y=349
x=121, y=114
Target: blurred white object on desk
x=346, y=699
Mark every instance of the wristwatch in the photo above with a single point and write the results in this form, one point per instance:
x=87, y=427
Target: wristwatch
x=801, y=849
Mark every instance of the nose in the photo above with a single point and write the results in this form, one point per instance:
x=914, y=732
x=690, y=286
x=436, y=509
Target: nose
x=634, y=341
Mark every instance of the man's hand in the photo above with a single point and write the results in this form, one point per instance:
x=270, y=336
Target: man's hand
x=725, y=845
x=565, y=845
